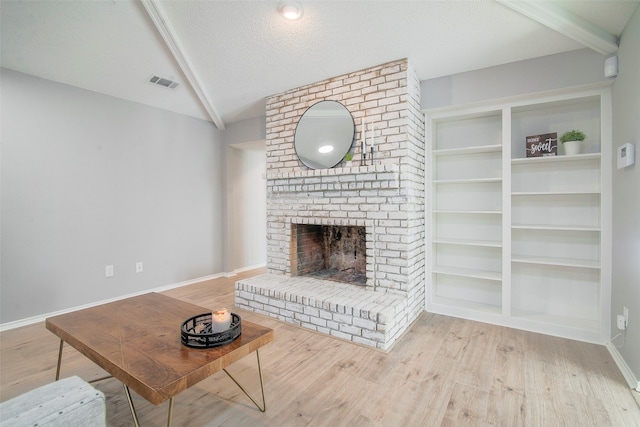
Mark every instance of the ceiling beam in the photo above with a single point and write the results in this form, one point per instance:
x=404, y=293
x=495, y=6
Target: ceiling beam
x=172, y=41
x=567, y=24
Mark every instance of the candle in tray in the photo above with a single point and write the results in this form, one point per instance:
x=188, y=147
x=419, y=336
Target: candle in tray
x=220, y=320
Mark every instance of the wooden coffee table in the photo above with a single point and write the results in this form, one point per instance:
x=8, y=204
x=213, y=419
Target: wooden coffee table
x=137, y=341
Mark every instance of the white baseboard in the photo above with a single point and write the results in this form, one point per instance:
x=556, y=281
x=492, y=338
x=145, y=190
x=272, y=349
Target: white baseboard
x=251, y=267
x=243, y=269
x=42, y=317
x=626, y=371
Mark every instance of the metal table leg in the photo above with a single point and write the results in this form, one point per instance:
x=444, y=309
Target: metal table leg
x=133, y=409
x=134, y=414
x=262, y=407
x=60, y=364
x=59, y=360
x=170, y=412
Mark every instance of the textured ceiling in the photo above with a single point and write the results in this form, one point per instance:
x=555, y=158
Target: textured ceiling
x=243, y=51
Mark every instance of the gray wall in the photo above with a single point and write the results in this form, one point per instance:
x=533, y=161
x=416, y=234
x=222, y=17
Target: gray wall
x=551, y=72
x=247, y=201
x=89, y=180
x=626, y=194
x=246, y=131
x=245, y=194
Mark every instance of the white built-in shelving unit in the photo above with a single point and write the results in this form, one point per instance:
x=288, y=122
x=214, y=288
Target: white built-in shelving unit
x=517, y=241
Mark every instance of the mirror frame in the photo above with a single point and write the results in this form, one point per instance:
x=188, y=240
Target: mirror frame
x=310, y=136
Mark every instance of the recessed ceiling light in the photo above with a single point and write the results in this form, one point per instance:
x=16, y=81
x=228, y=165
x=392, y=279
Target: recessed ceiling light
x=325, y=149
x=291, y=10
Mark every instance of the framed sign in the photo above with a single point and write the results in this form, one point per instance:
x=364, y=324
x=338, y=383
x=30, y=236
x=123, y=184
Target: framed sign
x=542, y=145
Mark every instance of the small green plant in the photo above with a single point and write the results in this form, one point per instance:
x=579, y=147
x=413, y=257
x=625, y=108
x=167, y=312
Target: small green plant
x=572, y=135
x=348, y=157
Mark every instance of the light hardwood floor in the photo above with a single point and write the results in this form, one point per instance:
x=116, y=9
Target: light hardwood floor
x=443, y=372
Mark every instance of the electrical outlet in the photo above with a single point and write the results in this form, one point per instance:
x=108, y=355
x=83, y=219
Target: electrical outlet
x=139, y=267
x=621, y=325
x=109, y=271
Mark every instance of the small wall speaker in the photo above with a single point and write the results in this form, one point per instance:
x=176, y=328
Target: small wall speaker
x=611, y=67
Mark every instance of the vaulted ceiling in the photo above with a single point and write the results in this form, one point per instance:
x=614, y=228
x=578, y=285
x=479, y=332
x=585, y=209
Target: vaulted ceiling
x=229, y=55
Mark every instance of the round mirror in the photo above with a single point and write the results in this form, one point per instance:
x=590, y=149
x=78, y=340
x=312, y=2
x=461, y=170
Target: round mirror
x=324, y=134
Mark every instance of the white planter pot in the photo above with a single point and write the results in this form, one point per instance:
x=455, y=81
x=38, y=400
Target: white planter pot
x=571, y=148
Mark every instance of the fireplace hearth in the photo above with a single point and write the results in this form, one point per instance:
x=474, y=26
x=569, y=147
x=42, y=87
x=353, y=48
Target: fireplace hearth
x=342, y=276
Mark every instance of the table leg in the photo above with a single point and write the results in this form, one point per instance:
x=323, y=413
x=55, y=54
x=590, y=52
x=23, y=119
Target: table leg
x=100, y=379
x=262, y=407
x=60, y=364
x=133, y=409
x=170, y=412
x=59, y=360
x=134, y=414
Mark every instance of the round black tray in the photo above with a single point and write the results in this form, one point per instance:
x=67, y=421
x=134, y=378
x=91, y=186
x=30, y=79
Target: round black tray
x=205, y=338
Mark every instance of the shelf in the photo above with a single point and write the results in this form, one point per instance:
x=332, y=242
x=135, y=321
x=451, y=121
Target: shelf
x=549, y=159
x=467, y=150
x=469, y=242
x=562, y=262
x=515, y=240
x=555, y=227
x=467, y=272
x=554, y=193
x=571, y=322
x=466, y=212
x=393, y=169
x=467, y=181
x=565, y=210
x=467, y=305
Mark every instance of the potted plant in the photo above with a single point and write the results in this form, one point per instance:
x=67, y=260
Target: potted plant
x=348, y=159
x=571, y=140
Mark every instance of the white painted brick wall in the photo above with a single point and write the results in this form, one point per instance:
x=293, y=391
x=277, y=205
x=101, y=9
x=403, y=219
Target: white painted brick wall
x=387, y=198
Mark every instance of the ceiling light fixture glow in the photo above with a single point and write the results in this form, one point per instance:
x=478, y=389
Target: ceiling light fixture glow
x=291, y=10
x=325, y=149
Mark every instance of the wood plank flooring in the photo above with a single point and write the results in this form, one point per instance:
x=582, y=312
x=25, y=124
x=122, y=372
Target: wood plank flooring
x=443, y=372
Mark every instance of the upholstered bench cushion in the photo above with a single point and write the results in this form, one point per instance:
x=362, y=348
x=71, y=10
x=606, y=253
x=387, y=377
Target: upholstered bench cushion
x=68, y=402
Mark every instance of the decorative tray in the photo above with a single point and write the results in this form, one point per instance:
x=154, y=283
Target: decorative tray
x=196, y=332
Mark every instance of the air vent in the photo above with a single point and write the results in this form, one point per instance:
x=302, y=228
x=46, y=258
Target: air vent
x=161, y=81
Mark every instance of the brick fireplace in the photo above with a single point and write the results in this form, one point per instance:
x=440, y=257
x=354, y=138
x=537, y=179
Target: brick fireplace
x=381, y=202
x=332, y=252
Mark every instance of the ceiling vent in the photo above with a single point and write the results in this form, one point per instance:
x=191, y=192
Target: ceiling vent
x=161, y=81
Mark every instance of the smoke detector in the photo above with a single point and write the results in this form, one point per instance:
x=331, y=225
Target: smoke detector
x=163, y=81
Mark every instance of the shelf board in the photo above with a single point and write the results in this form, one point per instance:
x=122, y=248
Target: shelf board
x=584, y=324
x=554, y=193
x=467, y=305
x=468, y=272
x=469, y=242
x=577, y=157
x=467, y=150
x=563, y=262
x=555, y=227
x=466, y=212
x=466, y=181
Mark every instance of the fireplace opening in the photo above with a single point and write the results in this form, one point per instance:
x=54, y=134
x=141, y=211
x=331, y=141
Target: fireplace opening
x=331, y=252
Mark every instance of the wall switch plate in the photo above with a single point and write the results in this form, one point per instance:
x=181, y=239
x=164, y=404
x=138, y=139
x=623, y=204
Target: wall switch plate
x=621, y=324
x=109, y=271
x=139, y=267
